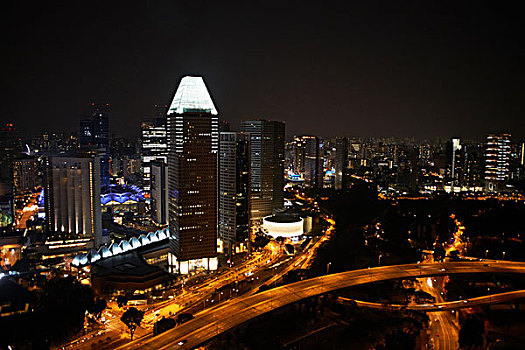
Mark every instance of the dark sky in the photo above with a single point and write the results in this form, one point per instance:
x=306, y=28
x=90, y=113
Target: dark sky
x=390, y=68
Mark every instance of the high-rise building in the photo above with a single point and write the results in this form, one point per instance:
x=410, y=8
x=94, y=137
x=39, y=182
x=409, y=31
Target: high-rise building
x=522, y=154
x=497, y=161
x=159, y=192
x=341, y=162
x=234, y=188
x=193, y=134
x=457, y=163
x=313, y=163
x=298, y=155
x=10, y=147
x=154, y=136
x=267, y=167
x=25, y=175
x=72, y=197
x=94, y=134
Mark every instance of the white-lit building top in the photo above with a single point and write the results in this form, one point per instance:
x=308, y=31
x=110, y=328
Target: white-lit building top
x=192, y=96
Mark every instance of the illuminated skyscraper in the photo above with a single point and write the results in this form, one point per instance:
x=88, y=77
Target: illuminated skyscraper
x=154, y=137
x=94, y=134
x=159, y=192
x=234, y=188
x=457, y=162
x=298, y=155
x=341, y=162
x=193, y=142
x=313, y=164
x=497, y=161
x=25, y=174
x=72, y=198
x=10, y=147
x=267, y=166
x=522, y=154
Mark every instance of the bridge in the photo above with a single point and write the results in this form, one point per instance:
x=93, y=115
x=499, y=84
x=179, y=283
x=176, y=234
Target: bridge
x=445, y=306
x=224, y=317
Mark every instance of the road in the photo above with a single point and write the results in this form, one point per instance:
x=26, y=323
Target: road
x=228, y=315
x=446, y=305
x=29, y=210
x=305, y=259
x=116, y=331
x=443, y=325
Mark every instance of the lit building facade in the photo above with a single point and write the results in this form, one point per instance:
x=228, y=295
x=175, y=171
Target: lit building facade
x=154, y=137
x=72, y=198
x=25, y=175
x=94, y=134
x=497, y=161
x=341, y=162
x=267, y=167
x=234, y=188
x=193, y=134
x=159, y=192
x=313, y=162
x=298, y=155
x=9, y=148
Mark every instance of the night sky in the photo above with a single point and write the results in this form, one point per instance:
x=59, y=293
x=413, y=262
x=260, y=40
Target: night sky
x=417, y=68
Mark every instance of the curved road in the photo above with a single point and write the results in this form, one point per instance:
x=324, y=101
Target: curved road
x=448, y=305
x=212, y=322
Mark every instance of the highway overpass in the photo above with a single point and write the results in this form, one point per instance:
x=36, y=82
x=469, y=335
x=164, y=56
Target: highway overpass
x=445, y=306
x=224, y=317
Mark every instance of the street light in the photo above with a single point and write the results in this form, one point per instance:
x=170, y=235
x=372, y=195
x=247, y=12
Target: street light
x=328, y=267
x=379, y=260
x=503, y=255
x=486, y=253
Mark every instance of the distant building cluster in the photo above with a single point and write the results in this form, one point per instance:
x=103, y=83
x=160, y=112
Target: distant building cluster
x=410, y=166
x=209, y=188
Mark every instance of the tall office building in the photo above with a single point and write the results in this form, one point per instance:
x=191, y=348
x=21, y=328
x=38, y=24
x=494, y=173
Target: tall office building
x=234, y=188
x=267, y=167
x=313, y=164
x=497, y=161
x=94, y=134
x=193, y=134
x=10, y=147
x=159, y=192
x=522, y=154
x=25, y=175
x=341, y=162
x=154, y=136
x=72, y=197
x=457, y=163
x=298, y=155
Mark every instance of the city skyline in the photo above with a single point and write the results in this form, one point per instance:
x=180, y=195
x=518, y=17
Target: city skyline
x=422, y=70
x=262, y=175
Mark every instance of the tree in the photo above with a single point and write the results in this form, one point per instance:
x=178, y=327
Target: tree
x=63, y=305
x=454, y=255
x=132, y=318
x=98, y=306
x=261, y=241
x=471, y=333
x=439, y=253
x=121, y=300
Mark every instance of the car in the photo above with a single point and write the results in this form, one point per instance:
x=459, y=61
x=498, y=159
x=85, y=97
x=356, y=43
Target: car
x=465, y=301
x=182, y=342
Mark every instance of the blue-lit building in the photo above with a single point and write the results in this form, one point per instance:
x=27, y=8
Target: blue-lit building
x=122, y=198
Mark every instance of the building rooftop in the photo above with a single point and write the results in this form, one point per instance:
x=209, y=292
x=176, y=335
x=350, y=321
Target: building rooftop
x=192, y=96
x=283, y=218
